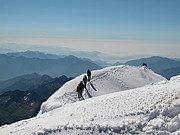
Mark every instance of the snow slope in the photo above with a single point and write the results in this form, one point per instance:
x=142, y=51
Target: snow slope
x=104, y=81
x=152, y=109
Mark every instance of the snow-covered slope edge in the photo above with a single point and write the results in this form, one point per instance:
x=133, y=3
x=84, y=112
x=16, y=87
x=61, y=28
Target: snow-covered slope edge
x=104, y=81
x=153, y=109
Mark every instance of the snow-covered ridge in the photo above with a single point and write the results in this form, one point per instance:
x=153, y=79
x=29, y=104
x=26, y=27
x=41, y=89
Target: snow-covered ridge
x=153, y=109
x=104, y=81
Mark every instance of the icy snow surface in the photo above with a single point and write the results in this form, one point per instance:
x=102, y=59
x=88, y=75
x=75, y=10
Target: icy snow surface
x=104, y=81
x=152, y=109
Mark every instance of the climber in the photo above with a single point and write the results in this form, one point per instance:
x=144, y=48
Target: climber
x=144, y=64
x=89, y=74
x=80, y=88
x=85, y=81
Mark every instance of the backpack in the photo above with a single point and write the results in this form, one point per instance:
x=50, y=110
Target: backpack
x=78, y=87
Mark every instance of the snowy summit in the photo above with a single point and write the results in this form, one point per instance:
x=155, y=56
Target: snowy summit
x=122, y=99
x=104, y=81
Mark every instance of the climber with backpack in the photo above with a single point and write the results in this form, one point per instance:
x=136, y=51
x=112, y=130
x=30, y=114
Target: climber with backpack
x=80, y=88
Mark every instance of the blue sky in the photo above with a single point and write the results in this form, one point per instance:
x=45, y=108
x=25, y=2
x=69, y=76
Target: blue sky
x=115, y=27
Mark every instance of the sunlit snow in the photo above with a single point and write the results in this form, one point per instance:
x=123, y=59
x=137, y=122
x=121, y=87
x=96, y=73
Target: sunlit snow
x=146, y=103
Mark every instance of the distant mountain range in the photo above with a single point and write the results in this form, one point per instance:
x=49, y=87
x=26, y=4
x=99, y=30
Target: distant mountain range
x=19, y=63
x=43, y=84
x=12, y=66
x=48, y=87
x=22, y=96
x=34, y=54
x=24, y=82
x=24, y=99
x=161, y=65
x=62, y=51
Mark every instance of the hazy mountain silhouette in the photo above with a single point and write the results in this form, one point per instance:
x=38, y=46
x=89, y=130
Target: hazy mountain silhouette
x=48, y=87
x=161, y=65
x=24, y=82
x=34, y=54
x=34, y=61
x=168, y=73
x=12, y=66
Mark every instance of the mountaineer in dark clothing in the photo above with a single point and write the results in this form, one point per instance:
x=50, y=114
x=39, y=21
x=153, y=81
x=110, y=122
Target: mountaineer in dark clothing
x=80, y=88
x=85, y=81
x=89, y=75
x=144, y=64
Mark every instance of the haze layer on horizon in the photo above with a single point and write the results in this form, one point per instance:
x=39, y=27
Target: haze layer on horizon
x=115, y=27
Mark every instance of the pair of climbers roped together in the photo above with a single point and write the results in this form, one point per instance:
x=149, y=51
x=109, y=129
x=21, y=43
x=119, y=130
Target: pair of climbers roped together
x=83, y=83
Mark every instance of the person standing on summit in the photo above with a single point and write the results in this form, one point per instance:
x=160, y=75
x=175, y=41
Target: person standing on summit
x=89, y=75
